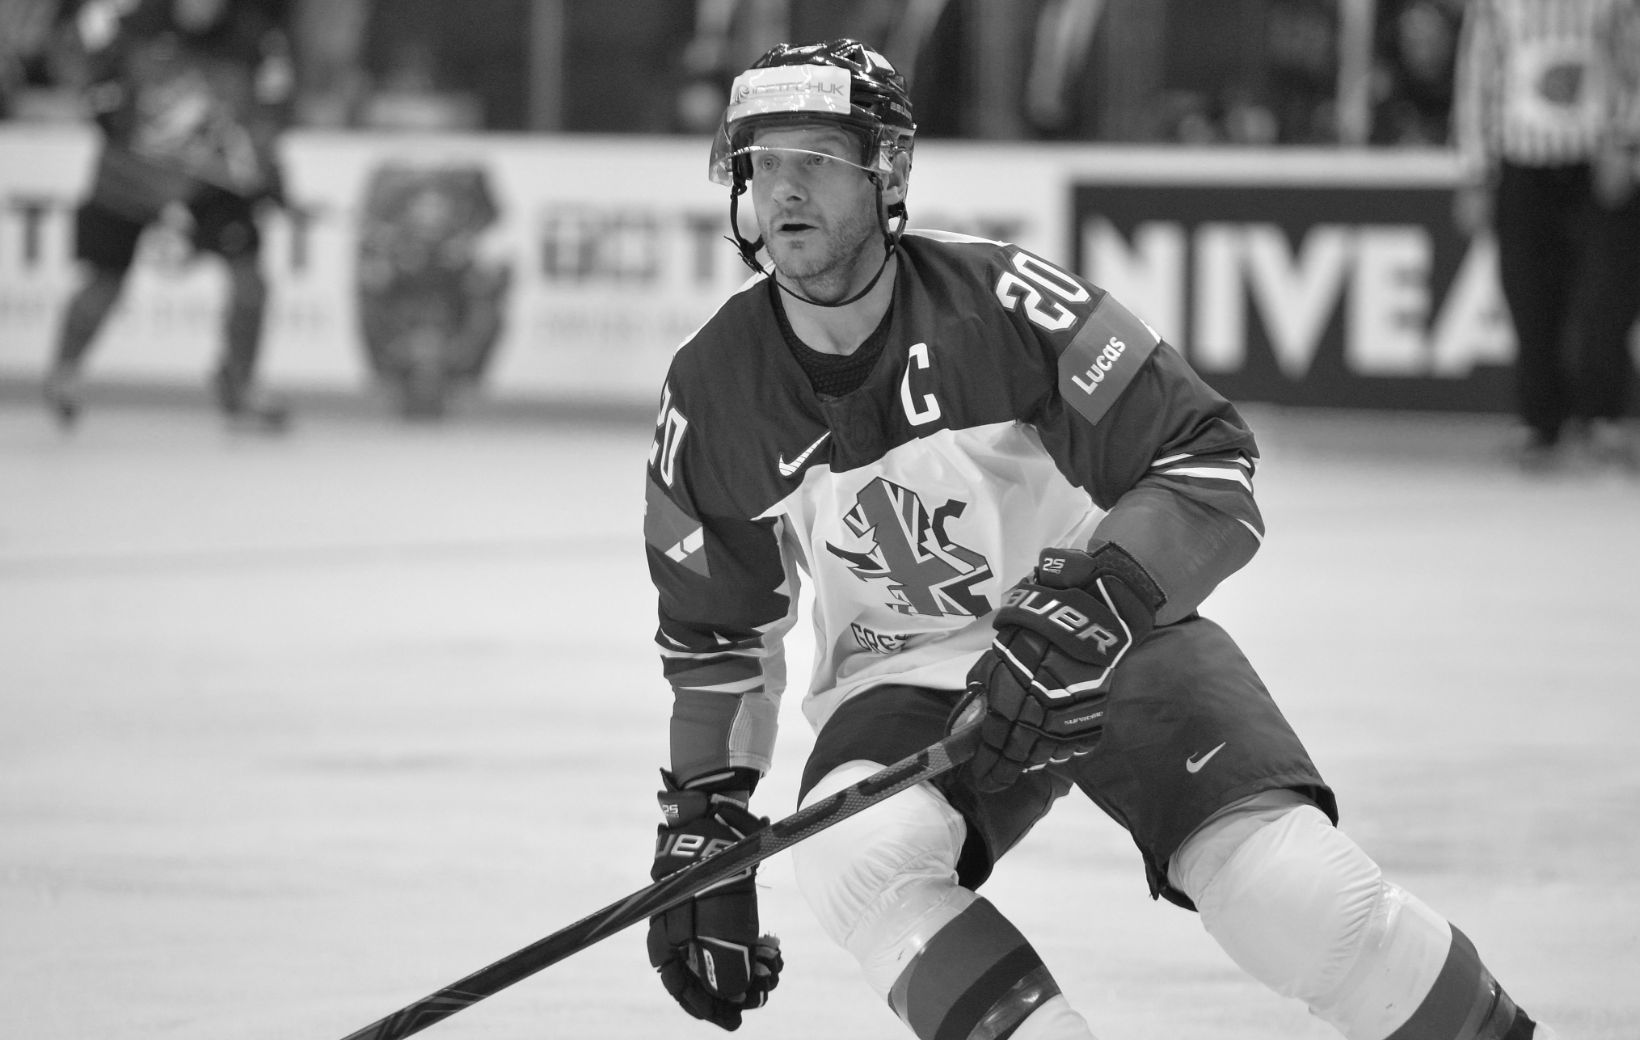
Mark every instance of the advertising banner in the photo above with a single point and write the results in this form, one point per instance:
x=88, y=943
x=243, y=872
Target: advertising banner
x=570, y=267
x=1347, y=290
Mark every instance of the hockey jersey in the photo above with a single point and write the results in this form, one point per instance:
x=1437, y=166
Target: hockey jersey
x=181, y=108
x=1015, y=406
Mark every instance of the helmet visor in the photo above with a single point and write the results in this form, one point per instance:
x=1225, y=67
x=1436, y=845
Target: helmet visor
x=797, y=91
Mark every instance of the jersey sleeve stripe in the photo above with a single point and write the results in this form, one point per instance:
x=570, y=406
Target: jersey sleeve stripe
x=1237, y=460
x=752, y=685
x=1210, y=473
x=696, y=674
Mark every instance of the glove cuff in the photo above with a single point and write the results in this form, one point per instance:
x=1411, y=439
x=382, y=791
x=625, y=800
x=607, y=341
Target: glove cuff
x=1074, y=568
x=694, y=799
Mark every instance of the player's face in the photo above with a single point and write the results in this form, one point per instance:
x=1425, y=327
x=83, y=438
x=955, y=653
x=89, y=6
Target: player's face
x=816, y=209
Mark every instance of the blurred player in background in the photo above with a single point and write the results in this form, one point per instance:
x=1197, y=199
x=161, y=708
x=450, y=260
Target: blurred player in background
x=190, y=96
x=1417, y=43
x=916, y=421
x=1547, y=124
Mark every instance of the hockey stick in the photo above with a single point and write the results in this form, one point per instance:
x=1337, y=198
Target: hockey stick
x=673, y=889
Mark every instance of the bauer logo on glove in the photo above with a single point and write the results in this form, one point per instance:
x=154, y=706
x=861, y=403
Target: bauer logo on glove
x=1084, y=633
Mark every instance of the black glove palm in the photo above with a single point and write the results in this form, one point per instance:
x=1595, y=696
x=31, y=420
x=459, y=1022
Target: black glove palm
x=708, y=950
x=1060, y=635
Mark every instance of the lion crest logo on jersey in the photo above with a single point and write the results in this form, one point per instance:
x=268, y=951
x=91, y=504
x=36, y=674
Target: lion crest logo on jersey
x=927, y=573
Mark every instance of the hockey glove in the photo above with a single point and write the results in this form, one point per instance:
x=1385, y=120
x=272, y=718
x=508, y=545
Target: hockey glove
x=1060, y=635
x=707, y=950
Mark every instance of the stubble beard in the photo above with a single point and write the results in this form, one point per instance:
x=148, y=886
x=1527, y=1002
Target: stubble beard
x=826, y=273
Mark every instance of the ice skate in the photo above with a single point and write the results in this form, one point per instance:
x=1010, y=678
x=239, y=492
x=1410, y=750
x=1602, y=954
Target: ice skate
x=62, y=395
x=256, y=411
x=1533, y=453
x=1607, y=445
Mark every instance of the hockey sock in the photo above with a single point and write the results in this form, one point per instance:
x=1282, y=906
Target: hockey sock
x=84, y=317
x=977, y=977
x=883, y=885
x=1465, y=1003
x=242, y=338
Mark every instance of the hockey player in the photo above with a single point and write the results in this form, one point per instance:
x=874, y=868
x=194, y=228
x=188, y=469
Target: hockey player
x=1546, y=122
x=1008, y=494
x=189, y=95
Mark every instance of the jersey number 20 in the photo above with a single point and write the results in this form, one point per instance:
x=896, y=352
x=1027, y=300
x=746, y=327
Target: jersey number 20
x=1035, y=279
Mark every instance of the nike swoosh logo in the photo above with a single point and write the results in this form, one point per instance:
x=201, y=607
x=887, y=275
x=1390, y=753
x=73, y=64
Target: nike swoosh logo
x=789, y=468
x=1194, y=764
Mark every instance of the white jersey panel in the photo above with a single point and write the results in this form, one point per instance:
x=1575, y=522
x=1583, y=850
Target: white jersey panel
x=908, y=557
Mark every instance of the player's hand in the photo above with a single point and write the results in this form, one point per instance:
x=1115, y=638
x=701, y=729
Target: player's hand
x=708, y=950
x=1061, y=633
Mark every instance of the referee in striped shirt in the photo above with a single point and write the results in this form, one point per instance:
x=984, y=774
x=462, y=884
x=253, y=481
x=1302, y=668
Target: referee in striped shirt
x=1547, y=124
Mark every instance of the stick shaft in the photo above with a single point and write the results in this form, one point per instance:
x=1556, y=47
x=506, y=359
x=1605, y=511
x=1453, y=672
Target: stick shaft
x=675, y=888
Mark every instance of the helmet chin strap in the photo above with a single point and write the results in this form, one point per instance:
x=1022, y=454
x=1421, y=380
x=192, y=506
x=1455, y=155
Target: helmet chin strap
x=749, y=250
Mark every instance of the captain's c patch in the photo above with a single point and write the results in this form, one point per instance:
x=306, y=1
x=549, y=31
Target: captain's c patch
x=1102, y=360
x=672, y=532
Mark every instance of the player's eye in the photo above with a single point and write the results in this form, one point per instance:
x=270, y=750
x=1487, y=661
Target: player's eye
x=767, y=162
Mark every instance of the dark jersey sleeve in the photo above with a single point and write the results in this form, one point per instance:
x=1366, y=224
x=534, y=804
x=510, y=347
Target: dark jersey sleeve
x=1129, y=421
x=726, y=600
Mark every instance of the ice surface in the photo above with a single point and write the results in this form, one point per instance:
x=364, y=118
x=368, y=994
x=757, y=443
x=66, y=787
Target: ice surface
x=294, y=732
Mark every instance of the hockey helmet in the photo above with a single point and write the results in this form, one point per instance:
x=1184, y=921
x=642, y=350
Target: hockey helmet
x=840, y=81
